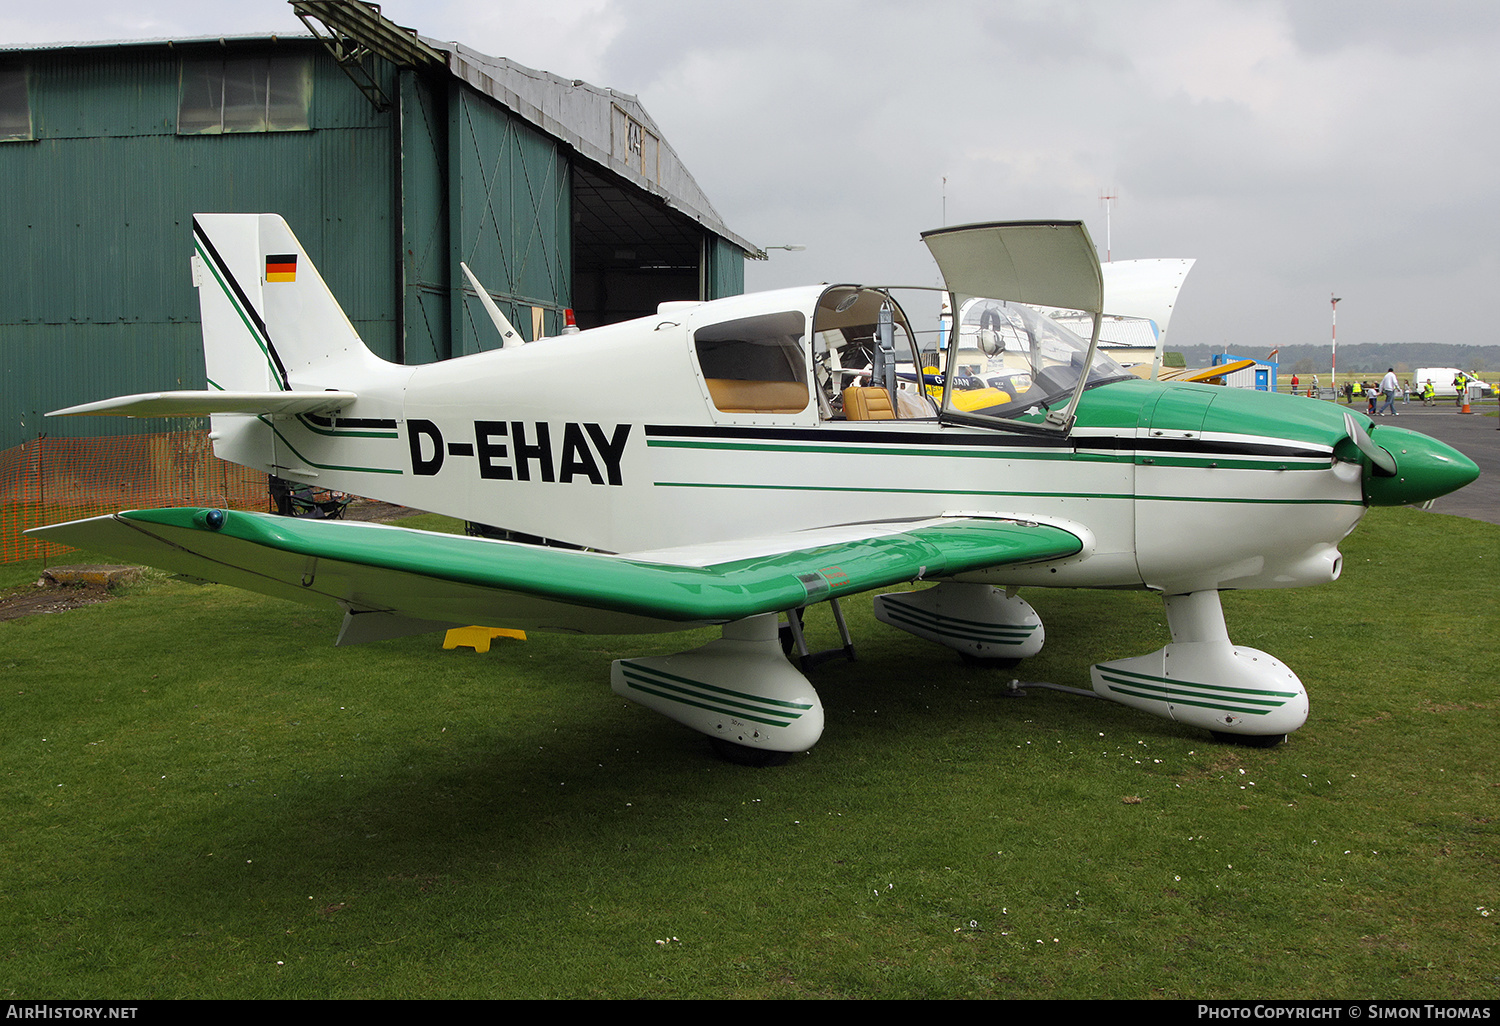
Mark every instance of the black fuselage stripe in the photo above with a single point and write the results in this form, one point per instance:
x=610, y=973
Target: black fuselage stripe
x=836, y=435
x=351, y=422
x=1180, y=446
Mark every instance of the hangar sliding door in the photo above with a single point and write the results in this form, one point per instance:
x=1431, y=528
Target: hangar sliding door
x=483, y=188
x=509, y=220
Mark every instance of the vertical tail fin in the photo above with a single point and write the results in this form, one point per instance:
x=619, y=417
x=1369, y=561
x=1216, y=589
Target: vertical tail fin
x=269, y=321
x=293, y=391
x=271, y=325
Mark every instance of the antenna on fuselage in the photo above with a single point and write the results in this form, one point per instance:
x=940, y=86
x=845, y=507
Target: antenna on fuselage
x=509, y=337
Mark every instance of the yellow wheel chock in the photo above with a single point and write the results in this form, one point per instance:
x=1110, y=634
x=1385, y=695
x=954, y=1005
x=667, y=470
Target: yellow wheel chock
x=478, y=638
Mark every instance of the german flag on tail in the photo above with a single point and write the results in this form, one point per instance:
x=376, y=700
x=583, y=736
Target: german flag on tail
x=282, y=267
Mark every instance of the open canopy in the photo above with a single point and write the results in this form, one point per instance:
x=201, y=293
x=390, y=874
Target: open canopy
x=1043, y=263
x=1040, y=264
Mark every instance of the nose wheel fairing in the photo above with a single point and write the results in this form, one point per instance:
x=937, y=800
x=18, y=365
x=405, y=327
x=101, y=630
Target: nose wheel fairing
x=1202, y=679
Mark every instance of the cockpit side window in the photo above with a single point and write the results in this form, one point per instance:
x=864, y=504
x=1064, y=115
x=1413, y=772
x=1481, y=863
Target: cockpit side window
x=755, y=364
x=866, y=364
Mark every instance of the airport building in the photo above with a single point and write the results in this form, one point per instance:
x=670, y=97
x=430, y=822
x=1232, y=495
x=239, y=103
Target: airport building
x=394, y=158
x=1262, y=377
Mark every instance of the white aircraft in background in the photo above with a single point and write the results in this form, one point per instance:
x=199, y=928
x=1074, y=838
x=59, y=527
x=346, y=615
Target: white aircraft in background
x=717, y=467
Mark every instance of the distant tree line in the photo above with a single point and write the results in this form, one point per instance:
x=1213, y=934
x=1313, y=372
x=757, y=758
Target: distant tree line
x=1362, y=359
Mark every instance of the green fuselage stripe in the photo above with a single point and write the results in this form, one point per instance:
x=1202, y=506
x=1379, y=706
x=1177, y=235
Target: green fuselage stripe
x=324, y=466
x=1023, y=495
x=887, y=491
x=1204, y=462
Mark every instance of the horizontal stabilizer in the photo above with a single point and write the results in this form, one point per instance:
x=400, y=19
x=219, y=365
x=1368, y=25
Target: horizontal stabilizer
x=420, y=575
x=207, y=403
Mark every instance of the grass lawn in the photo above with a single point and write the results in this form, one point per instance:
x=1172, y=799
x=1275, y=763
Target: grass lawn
x=203, y=798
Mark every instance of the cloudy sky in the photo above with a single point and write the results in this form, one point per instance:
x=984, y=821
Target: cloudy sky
x=1297, y=148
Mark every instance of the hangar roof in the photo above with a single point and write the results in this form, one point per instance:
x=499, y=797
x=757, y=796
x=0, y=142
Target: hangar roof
x=609, y=129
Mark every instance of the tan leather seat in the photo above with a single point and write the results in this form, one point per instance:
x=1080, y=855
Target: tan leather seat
x=867, y=403
x=733, y=395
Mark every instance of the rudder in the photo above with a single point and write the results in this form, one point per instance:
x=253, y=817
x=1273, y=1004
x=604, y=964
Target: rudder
x=269, y=321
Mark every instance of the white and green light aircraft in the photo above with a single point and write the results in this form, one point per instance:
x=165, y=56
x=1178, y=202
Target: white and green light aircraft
x=729, y=462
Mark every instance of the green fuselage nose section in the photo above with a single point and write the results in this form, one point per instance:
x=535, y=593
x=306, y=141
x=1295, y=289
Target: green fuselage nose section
x=1425, y=468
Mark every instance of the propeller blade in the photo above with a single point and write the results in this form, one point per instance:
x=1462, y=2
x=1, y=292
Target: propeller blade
x=1383, y=462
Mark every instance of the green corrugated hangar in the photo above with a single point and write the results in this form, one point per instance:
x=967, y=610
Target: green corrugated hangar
x=394, y=158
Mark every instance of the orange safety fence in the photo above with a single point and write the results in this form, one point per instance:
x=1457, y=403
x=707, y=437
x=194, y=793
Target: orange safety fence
x=52, y=480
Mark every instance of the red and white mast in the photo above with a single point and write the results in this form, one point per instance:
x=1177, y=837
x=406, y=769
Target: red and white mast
x=1334, y=379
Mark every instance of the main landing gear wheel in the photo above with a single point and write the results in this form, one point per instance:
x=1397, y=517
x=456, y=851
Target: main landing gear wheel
x=989, y=662
x=985, y=625
x=1249, y=740
x=738, y=691
x=744, y=755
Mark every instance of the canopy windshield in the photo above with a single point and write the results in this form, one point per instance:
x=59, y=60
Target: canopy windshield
x=1011, y=361
x=1040, y=367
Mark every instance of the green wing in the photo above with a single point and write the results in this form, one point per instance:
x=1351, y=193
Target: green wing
x=429, y=581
